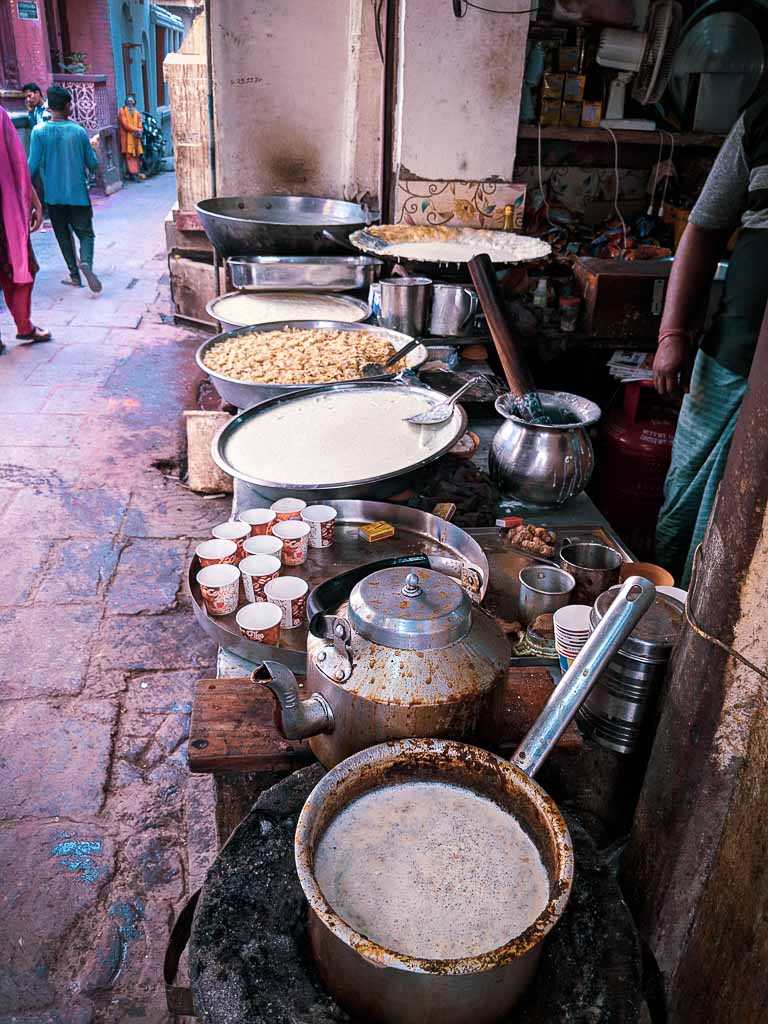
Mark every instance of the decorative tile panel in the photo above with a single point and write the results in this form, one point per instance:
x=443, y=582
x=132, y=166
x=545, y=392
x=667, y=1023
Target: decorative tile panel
x=469, y=204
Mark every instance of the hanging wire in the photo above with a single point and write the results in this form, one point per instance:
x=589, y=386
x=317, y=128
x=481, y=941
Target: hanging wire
x=616, y=187
x=461, y=12
x=667, y=176
x=656, y=174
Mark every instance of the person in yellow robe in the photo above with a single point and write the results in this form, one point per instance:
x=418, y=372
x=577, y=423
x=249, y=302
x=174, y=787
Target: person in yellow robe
x=131, y=130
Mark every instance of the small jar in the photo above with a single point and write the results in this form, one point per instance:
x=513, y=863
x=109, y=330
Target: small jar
x=569, y=313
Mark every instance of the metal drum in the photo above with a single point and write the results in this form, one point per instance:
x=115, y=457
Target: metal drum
x=617, y=711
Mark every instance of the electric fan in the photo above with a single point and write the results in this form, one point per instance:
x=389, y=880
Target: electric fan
x=646, y=56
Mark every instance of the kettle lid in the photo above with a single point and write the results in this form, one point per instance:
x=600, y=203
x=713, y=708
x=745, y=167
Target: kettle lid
x=410, y=609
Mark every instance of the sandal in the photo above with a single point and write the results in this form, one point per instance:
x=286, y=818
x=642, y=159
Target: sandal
x=93, y=282
x=36, y=335
x=72, y=282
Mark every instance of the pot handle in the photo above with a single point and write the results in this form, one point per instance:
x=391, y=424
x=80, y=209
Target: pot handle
x=630, y=604
x=329, y=595
x=474, y=305
x=178, y=998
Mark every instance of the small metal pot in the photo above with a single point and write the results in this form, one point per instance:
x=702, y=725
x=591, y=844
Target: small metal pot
x=543, y=589
x=543, y=465
x=385, y=987
x=594, y=567
x=404, y=302
x=453, y=309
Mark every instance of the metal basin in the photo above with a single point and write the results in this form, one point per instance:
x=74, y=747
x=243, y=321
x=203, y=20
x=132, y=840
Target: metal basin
x=275, y=225
x=243, y=394
x=377, y=984
x=359, y=310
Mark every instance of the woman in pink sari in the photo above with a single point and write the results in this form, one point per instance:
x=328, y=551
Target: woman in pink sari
x=20, y=213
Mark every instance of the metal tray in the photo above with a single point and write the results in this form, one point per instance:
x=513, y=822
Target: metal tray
x=243, y=394
x=450, y=549
x=361, y=308
x=304, y=273
x=375, y=488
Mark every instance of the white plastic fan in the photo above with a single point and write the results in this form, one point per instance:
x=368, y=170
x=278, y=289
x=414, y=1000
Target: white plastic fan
x=646, y=57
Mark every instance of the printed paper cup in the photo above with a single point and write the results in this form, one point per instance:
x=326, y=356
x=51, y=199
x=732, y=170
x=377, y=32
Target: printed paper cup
x=260, y=622
x=260, y=520
x=294, y=534
x=220, y=587
x=290, y=593
x=321, y=520
x=257, y=571
x=574, y=618
x=215, y=552
x=288, y=508
x=233, y=531
x=264, y=544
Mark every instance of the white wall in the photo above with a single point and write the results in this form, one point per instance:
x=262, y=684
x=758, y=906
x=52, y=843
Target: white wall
x=297, y=97
x=458, y=93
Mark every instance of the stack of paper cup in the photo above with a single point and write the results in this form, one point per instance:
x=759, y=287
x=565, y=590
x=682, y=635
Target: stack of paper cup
x=572, y=629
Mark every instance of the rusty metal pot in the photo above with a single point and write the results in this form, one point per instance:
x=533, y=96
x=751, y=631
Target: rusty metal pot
x=385, y=987
x=406, y=655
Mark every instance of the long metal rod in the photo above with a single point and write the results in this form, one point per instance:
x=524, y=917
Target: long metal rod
x=631, y=603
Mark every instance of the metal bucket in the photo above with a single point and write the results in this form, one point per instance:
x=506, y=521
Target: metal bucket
x=595, y=567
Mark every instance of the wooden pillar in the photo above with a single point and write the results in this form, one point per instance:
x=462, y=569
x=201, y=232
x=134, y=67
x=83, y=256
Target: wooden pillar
x=186, y=74
x=695, y=873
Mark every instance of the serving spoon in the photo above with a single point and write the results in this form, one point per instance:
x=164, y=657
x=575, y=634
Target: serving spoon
x=441, y=412
x=376, y=369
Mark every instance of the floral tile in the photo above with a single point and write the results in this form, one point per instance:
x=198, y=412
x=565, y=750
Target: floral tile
x=473, y=204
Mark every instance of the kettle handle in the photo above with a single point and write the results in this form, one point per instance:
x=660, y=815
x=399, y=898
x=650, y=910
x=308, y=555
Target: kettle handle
x=329, y=595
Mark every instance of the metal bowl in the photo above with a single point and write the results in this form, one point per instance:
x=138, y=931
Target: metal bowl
x=243, y=394
x=304, y=273
x=272, y=225
x=373, y=488
x=361, y=310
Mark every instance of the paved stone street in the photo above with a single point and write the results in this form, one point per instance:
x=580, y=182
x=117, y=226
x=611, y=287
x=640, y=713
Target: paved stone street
x=102, y=832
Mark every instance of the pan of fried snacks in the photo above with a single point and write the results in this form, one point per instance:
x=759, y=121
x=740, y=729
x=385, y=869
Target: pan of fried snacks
x=252, y=364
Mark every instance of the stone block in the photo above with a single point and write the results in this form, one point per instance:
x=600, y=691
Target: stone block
x=83, y=513
x=21, y=570
x=148, y=577
x=77, y=570
x=143, y=643
x=169, y=510
x=44, y=650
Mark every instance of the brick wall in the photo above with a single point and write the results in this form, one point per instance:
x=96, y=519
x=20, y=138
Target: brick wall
x=32, y=51
x=90, y=33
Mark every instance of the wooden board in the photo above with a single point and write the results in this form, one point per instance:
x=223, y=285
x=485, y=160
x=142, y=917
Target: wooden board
x=622, y=300
x=232, y=727
x=193, y=284
x=203, y=475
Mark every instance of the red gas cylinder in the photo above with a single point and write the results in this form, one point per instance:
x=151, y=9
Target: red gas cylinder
x=633, y=452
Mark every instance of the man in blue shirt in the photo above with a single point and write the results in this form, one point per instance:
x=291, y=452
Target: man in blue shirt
x=61, y=152
x=37, y=108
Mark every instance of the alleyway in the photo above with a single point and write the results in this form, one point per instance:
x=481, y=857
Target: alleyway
x=102, y=833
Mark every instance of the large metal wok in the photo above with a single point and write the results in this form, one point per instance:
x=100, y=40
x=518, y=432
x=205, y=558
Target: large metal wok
x=243, y=394
x=378, y=985
x=279, y=225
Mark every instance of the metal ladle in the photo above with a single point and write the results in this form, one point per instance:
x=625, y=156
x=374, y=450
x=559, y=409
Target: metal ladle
x=377, y=369
x=441, y=412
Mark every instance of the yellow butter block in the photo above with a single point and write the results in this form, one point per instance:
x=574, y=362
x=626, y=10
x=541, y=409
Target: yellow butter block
x=376, y=531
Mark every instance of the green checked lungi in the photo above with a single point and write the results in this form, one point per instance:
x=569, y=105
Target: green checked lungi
x=704, y=432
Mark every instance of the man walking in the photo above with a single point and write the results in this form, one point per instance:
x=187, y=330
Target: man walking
x=61, y=152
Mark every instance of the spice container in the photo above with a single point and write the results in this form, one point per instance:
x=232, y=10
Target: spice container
x=569, y=312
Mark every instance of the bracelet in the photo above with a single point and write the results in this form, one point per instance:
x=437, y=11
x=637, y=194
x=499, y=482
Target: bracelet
x=676, y=332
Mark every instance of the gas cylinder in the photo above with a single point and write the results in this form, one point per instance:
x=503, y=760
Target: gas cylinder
x=632, y=456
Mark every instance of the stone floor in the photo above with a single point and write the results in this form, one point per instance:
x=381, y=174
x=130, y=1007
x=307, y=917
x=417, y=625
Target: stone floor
x=103, y=834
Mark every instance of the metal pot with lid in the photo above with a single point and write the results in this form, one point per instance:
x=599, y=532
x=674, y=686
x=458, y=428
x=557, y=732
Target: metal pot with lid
x=405, y=654
x=617, y=711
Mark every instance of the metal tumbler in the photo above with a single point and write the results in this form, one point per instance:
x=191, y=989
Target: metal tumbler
x=404, y=303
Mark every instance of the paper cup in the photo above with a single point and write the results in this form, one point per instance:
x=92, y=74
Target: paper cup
x=260, y=520
x=260, y=622
x=257, y=571
x=290, y=593
x=565, y=663
x=233, y=531
x=574, y=618
x=264, y=544
x=216, y=552
x=220, y=587
x=294, y=534
x=288, y=508
x=321, y=520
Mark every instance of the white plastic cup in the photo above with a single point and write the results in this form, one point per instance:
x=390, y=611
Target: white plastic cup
x=264, y=544
x=235, y=531
x=290, y=593
x=321, y=520
x=214, y=552
x=257, y=571
x=295, y=536
x=220, y=586
x=260, y=520
x=288, y=508
x=260, y=622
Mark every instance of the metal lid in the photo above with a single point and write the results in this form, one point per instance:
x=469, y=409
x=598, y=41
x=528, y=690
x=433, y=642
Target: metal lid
x=413, y=610
x=655, y=635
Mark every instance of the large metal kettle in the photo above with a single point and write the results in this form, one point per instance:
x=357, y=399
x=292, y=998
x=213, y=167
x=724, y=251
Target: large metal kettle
x=406, y=655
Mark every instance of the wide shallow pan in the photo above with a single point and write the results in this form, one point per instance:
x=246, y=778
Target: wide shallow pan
x=243, y=394
x=358, y=309
x=273, y=225
x=304, y=273
x=379, y=985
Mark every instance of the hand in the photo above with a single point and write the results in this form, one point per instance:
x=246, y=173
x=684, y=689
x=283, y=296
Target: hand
x=138, y=134
x=36, y=214
x=672, y=365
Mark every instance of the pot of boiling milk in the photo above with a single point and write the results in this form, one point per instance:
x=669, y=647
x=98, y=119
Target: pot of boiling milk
x=434, y=869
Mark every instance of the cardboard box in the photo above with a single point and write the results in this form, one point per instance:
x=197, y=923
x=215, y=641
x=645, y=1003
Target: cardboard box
x=621, y=300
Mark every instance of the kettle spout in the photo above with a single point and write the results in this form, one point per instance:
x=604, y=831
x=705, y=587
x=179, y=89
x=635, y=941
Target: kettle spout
x=295, y=719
